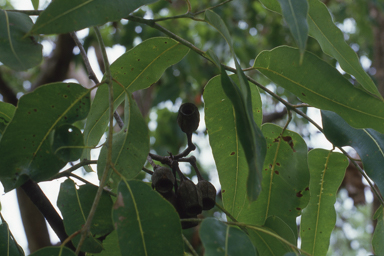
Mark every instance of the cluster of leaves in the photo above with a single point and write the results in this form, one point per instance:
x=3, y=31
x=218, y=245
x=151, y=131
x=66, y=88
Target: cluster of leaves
x=268, y=178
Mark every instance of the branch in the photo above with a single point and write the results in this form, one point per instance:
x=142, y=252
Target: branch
x=38, y=197
x=92, y=74
x=67, y=172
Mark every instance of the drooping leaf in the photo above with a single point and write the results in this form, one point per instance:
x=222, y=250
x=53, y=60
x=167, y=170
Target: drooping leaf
x=146, y=223
x=53, y=251
x=137, y=69
x=368, y=143
x=35, y=4
x=68, y=142
x=229, y=156
x=17, y=51
x=223, y=240
x=75, y=205
x=63, y=16
x=295, y=14
x=320, y=85
x=25, y=140
x=378, y=235
x=130, y=146
x=8, y=245
x=319, y=217
x=285, y=179
x=249, y=134
x=6, y=113
x=331, y=40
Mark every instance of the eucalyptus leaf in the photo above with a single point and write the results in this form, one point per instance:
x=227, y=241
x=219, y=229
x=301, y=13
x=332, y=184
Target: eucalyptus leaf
x=378, y=235
x=295, y=14
x=249, y=134
x=75, y=205
x=146, y=223
x=368, y=143
x=223, y=240
x=68, y=142
x=229, y=156
x=266, y=244
x=285, y=180
x=319, y=217
x=322, y=86
x=35, y=4
x=8, y=245
x=137, y=69
x=130, y=146
x=18, y=51
x=6, y=113
x=331, y=40
x=62, y=16
x=26, y=139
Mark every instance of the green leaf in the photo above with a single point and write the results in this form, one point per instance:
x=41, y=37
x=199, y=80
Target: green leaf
x=272, y=5
x=111, y=245
x=320, y=85
x=62, y=16
x=146, y=223
x=8, y=245
x=130, y=146
x=35, y=4
x=266, y=244
x=229, y=156
x=332, y=42
x=68, y=142
x=6, y=113
x=53, y=251
x=285, y=180
x=137, y=69
x=220, y=239
x=378, y=235
x=26, y=140
x=295, y=14
x=249, y=134
x=281, y=228
x=75, y=206
x=368, y=143
x=319, y=217
x=16, y=50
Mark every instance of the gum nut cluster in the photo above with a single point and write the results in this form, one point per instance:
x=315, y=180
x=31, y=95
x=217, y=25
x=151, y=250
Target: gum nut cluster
x=188, y=199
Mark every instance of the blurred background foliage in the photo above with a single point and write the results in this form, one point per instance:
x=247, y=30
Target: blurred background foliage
x=253, y=29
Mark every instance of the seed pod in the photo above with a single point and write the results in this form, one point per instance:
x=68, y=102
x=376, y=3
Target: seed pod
x=189, y=197
x=188, y=118
x=185, y=215
x=163, y=179
x=208, y=193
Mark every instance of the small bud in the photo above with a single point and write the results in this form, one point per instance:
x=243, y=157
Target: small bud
x=208, y=193
x=163, y=179
x=188, y=118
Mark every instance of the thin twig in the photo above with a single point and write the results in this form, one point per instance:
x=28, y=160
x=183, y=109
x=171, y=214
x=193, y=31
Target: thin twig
x=108, y=80
x=73, y=168
x=147, y=170
x=91, y=73
x=190, y=247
